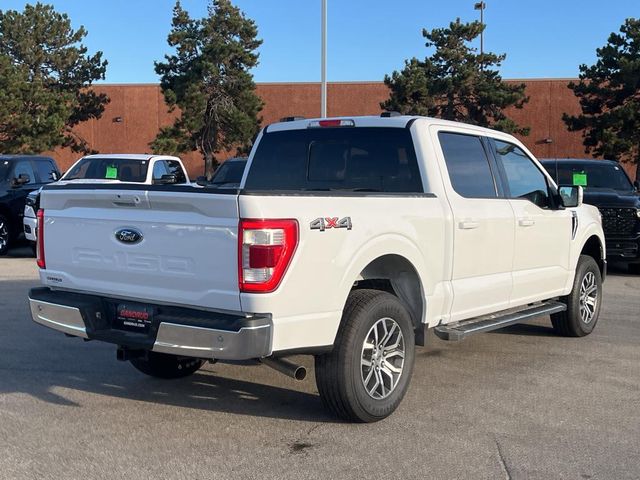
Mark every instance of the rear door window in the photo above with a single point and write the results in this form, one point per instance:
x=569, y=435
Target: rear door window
x=353, y=159
x=468, y=165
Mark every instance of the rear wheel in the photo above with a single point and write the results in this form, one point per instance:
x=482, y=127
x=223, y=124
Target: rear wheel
x=366, y=375
x=162, y=365
x=5, y=235
x=583, y=303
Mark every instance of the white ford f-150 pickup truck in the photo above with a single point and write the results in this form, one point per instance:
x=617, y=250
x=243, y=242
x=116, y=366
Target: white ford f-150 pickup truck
x=348, y=239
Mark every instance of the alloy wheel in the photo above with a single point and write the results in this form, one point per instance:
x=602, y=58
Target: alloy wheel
x=588, y=297
x=382, y=358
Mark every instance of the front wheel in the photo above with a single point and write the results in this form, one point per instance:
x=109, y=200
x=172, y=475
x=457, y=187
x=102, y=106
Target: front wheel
x=162, y=365
x=366, y=375
x=583, y=303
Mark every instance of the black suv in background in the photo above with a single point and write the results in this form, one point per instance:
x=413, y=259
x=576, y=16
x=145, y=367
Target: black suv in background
x=607, y=186
x=19, y=175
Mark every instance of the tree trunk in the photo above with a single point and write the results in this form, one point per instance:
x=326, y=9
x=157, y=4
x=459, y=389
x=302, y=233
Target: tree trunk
x=208, y=165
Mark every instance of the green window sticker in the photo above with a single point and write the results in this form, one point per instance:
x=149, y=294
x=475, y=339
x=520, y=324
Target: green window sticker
x=111, y=173
x=580, y=179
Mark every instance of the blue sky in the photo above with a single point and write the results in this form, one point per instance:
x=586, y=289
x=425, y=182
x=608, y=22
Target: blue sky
x=367, y=38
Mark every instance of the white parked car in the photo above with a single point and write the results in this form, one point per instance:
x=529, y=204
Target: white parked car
x=112, y=168
x=349, y=240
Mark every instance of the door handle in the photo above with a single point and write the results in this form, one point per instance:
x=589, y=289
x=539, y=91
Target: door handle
x=468, y=224
x=526, y=222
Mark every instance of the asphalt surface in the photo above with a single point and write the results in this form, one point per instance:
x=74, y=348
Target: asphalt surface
x=516, y=403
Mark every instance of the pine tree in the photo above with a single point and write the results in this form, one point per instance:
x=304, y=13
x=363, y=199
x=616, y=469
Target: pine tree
x=609, y=95
x=455, y=82
x=208, y=78
x=45, y=73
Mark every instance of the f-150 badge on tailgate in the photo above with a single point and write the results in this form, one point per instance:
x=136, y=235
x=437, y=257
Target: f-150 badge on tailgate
x=325, y=223
x=128, y=235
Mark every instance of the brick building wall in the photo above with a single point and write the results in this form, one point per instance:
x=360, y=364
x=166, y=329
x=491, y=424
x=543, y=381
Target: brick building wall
x=137, y=111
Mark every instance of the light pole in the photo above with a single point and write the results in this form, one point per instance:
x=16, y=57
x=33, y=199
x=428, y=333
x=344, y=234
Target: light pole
x=481, y=6
x=323, y=66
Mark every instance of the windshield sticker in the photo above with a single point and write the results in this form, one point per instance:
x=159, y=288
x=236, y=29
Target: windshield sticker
x=111, y=173
x=580, y=179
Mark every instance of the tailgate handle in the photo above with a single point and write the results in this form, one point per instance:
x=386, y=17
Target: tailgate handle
x=126, y=201
x=468, y=224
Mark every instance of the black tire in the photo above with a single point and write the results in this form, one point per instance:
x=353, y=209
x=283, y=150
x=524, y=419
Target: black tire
x=340, y=375
x=571, y=322
x=5, y=235
x=162, y=365
x=34, y=248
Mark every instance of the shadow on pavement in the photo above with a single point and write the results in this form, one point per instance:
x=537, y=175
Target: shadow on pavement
x=527, y=329
x=37, y=361
x=20, y=249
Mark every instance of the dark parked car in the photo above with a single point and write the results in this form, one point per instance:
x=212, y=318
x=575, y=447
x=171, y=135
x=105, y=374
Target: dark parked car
x=607, y=186
x=228, y=175
x=19, y=175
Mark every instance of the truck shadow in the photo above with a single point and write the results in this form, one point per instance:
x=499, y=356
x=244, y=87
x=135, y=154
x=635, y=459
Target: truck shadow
x=527, y=329
x=52, y=368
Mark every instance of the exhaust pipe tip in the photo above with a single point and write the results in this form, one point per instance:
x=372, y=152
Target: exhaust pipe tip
x=300, y=373
x=297, y=372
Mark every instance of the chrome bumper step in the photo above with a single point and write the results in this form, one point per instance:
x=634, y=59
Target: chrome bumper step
x=460, y=330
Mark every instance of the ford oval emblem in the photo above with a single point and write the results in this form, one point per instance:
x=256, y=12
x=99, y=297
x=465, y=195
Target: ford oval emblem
x=129, y=235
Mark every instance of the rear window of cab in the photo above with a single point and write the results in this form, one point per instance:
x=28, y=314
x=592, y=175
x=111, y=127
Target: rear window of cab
x=123, y=169
x=356, y=159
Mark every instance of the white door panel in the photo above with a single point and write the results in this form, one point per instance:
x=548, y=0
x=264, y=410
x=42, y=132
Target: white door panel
x=483, y=256
x=541, y=257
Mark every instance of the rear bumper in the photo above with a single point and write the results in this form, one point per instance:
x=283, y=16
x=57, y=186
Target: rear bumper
x=174, y=330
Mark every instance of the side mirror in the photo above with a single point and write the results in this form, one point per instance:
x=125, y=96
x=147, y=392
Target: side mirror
x=637, y=185
x=571, y=196
x=22, y=179
x=166, y=179
x=54, y=176
x=202, y=181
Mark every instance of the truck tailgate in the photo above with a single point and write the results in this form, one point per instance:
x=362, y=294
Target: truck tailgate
x=187, y=254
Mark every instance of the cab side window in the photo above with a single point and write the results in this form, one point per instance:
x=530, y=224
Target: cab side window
x=47, y=171
x=524, y=179
x=468, y=165
x=159, y=169
x=174, y=168
x=24, y=167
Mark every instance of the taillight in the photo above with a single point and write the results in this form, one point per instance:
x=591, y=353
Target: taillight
x=40, y=240
x=265, y=250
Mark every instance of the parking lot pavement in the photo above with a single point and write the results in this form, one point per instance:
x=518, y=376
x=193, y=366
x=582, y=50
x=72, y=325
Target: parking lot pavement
x=516, y=403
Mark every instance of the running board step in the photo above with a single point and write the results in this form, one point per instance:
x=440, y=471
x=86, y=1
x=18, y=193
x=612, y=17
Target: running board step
x=460, y=330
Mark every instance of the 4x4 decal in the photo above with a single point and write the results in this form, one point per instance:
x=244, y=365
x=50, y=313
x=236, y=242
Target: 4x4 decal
x=325, y=223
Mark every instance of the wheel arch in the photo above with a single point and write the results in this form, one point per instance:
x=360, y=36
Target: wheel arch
x=595, y=248
x=395, y=274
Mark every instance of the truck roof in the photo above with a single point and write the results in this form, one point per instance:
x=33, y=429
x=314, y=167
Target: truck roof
x=21, y=156
x=397, y=121
x=131, y=156
x=575, y=161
